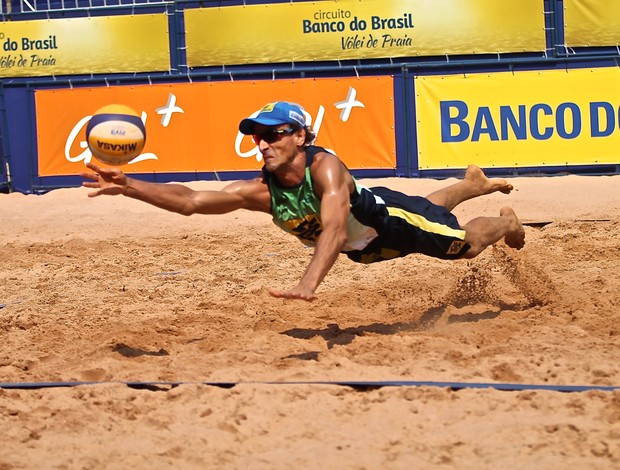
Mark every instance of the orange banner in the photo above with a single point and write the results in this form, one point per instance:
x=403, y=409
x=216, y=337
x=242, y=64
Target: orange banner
x=193, y=127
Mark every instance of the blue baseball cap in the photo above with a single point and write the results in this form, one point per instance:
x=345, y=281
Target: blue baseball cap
x=275, y=114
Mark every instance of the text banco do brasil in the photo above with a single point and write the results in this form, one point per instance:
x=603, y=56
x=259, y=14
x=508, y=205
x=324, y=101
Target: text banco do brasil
x=376, y=22
x=28, y=44
x=459, y=125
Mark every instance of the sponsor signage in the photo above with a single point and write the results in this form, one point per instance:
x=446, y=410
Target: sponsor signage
x=592, y=23
x=102, y=44
x=541, y=118
x=354, y=29
x=194, y=127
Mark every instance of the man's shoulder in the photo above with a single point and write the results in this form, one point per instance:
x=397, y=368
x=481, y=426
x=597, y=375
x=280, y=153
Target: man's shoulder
x=327, y=167
x=319, y=154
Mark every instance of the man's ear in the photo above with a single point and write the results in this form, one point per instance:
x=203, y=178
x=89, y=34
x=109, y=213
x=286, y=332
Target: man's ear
x=300, y=137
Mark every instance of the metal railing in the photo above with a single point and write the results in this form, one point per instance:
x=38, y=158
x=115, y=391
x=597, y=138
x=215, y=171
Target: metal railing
x=8, y=7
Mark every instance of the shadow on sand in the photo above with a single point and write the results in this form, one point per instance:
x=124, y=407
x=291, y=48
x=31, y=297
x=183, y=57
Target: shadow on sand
x=334, y=335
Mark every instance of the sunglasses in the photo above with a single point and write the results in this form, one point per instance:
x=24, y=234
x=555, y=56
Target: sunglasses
x=272, y=135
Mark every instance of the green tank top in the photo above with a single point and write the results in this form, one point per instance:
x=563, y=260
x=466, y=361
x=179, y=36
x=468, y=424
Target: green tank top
x=297, y=210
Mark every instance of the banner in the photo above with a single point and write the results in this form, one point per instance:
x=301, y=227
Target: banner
x=101, y=44
x=354, y=29
x=591, y=23
x=194, y=127
x=550, y=118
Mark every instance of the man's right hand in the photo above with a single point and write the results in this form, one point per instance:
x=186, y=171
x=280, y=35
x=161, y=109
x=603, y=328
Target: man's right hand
x=296, y=293
x=108, y=181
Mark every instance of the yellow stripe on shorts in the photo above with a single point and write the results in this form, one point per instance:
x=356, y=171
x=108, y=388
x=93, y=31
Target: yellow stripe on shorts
x=432, y=227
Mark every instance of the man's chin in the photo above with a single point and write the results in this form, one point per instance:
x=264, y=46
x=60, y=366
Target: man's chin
x=270, y=166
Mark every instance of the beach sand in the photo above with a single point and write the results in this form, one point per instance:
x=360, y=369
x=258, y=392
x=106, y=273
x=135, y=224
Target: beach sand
x=110, y=290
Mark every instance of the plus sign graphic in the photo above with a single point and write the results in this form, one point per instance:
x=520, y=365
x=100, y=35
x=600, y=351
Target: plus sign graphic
x=166, y=111
x=348, y=104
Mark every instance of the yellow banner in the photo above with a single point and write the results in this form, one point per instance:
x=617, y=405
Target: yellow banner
x=354, y=29
x=194, y=127
x=550, y=118
x=592, y=23
x=105, y=44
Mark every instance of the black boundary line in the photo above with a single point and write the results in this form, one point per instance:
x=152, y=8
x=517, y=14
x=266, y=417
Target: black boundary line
x=542, y=223
x=358, y=385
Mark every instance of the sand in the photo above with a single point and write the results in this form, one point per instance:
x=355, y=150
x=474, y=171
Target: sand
x=111, y=291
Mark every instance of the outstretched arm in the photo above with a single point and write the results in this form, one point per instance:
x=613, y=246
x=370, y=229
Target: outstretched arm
x=333, y=184
x=252, y=194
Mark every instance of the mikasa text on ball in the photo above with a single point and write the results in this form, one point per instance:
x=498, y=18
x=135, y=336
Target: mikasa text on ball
x=115, y=134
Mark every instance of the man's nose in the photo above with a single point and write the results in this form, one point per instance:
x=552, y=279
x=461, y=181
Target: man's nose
x=262, y=145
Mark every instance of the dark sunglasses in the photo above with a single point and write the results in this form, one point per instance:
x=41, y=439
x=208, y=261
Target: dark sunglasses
x=272, y=135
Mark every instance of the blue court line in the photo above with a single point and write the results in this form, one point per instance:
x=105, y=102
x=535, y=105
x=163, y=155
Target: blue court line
x=512, y=387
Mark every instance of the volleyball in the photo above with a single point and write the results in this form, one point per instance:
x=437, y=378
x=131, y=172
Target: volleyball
x=115, y=134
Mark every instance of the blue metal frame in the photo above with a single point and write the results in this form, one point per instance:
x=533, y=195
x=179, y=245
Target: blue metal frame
x=5, y=181
x=405, y=128
x=20, y=136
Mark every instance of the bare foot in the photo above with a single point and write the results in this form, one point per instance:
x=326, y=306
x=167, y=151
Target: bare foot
x=516, y=237
x=486, y=185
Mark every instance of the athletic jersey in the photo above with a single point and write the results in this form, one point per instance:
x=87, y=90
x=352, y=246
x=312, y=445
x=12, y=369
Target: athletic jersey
x=297, y=210
x=382, y=224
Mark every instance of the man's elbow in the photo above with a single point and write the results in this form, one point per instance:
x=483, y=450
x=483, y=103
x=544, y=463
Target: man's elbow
x=189, y=205
x=187, y=210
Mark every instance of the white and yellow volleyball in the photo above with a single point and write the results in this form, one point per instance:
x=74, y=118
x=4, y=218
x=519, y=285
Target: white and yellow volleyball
x=115, y=134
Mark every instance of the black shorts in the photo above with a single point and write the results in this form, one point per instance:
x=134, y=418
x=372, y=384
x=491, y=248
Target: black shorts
x=405, y=225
